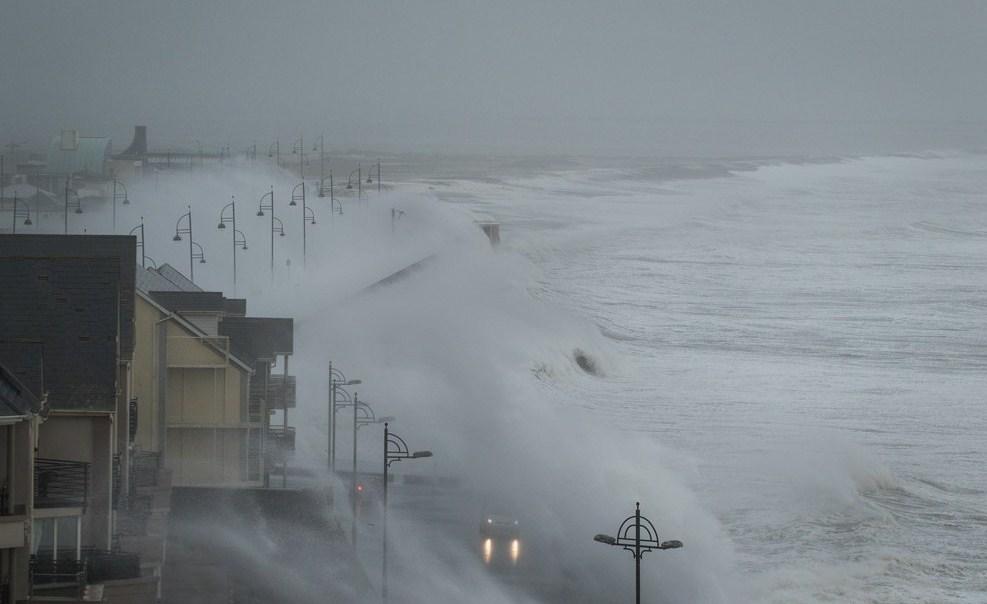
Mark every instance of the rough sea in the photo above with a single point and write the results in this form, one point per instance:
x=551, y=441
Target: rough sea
x=805, y=338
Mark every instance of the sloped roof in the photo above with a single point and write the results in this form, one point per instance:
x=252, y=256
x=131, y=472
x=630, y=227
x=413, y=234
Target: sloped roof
x=24, y=359
x=121, y=249
x=178, y=279
x=149, y=280
x=71, y=305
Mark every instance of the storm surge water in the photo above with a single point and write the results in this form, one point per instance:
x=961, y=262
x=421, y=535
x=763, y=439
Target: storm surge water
x=784, y=364
x=809, y=341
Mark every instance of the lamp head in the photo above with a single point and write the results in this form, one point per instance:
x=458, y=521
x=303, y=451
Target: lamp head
x=260, y=212
x=421, y=454
x=27, y=221
x=673, y=544
x=126, y=201
x=607, y=539
x=292, y=203
x=221, y=226
x=177, y=237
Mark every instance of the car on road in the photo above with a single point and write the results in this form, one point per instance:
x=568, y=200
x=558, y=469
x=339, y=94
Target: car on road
x=500, y=540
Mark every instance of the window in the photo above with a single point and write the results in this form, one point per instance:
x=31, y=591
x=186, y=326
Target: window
x=56, y=538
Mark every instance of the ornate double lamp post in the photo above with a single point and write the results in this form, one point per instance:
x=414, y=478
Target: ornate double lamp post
x=336, y=382
x=359, y=182
x=308, y=214
x=274, y=151
x=370, y=171
x=276, y=225
x=194, y=249
x=18, y=213
x=395, y=449
x=239, y=239
x=77, y=204
x=119, y=195
x=637, y=535
x=363, y=415
x=139, y=231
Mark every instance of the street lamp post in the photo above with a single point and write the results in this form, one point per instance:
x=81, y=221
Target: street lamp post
x=359, y=181
x=121, y=196
x=77, y=204
x=276, y=225
x=363, y=415
x=370, y=179
x=395, y=449
x=629, y=536
x=308, y=214
x=274, y=150
x=336, y=382
x=26, y=213
x=140, y=244
x=194, y=249
x=239, y=239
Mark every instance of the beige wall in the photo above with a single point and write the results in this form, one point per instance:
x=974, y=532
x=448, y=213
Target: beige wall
x=87, y=438
x=144, y=376
x=207, y=456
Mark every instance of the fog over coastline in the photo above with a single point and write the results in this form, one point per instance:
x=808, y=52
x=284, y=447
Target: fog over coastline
x=638, y=78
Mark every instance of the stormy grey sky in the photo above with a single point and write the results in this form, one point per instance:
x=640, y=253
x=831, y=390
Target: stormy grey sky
x=676, y=78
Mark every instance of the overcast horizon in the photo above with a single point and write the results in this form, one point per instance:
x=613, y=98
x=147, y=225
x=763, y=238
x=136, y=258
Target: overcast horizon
x=549, y=77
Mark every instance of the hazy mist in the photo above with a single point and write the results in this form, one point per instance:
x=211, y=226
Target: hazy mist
x=648, y=78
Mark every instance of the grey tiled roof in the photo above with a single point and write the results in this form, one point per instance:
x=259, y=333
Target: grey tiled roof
x=149, y=280
x=176, y=277
x=72, y=306
x=121, y=249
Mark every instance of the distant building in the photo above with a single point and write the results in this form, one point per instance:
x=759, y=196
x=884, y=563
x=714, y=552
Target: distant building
x=72, y=155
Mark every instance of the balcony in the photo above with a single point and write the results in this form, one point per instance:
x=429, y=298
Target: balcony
x=68, y=576
x=60, y=484
x=279, y=395
x=62, y=577
x=280, y=443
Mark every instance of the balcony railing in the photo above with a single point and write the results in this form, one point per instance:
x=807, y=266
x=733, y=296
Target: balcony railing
x=278, y=394
x=93, y=566
x=63, y=574
x=280, y=443
x=102, y=566
x=60, y=484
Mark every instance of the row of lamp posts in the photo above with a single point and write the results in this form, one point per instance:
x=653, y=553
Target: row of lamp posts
x=636, y=534
x=395, y=449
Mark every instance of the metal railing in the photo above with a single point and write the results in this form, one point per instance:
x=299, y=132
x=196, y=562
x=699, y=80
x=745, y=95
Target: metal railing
x=92, y=566
x=281, y=438
x=279, y=395
x=280, y=444
x=66, y=573
x=60, y=484
x=102, y=565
